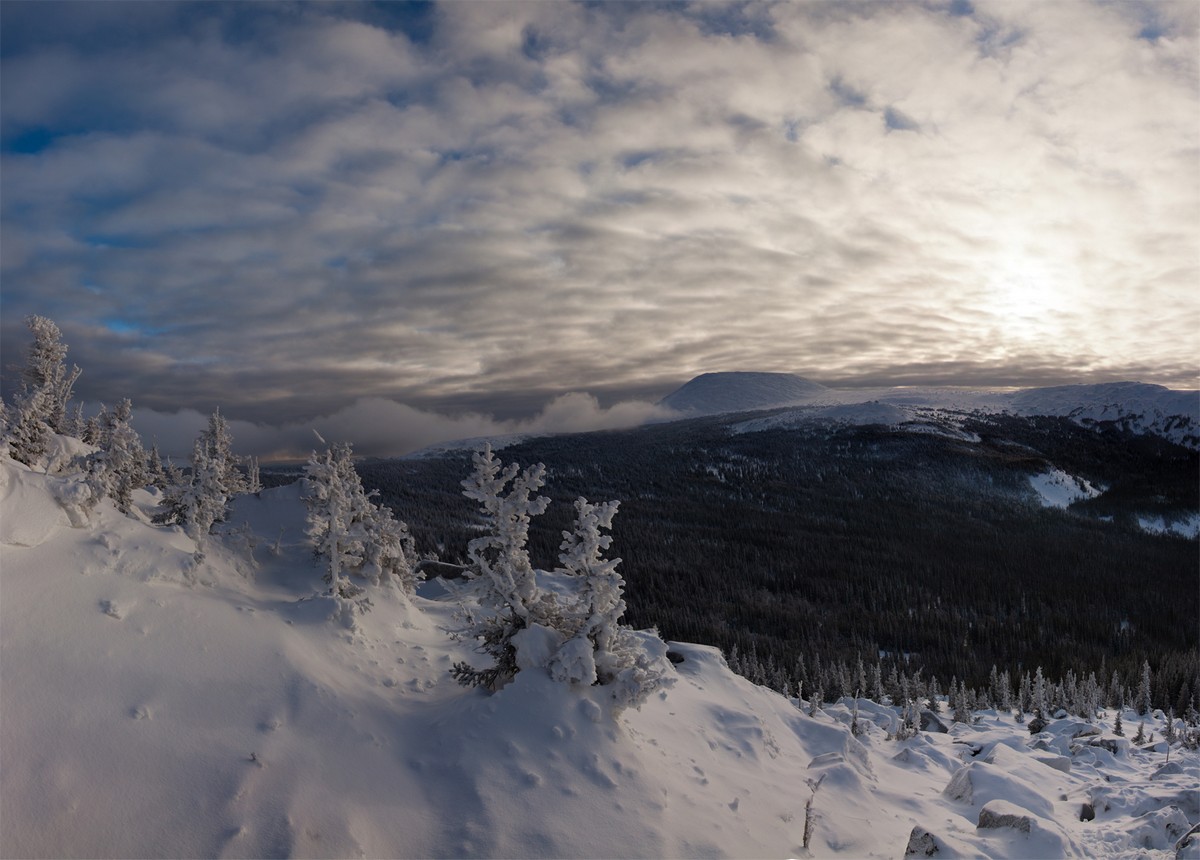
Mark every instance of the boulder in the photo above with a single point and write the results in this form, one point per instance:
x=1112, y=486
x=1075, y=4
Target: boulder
x=931, y=723
x=1188, y=846
x=960, y=786
x=1087, y=813
x=998, y=813
x=1058, y=762
x=1113, y=745
x=921, y=843
x=1171, y=768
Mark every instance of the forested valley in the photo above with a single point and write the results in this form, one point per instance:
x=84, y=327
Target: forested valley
x=810, y=547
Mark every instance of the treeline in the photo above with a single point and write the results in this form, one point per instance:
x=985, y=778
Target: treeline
x=113, y=462
x=826, y=544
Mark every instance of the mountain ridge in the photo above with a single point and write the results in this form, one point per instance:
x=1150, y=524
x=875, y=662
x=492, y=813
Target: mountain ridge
x=740, y=391
x=1135, y=407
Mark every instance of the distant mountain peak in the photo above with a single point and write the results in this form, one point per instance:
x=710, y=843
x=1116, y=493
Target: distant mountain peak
x=741, y=391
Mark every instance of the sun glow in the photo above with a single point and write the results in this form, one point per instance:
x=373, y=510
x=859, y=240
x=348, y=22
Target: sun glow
x=1027, y=295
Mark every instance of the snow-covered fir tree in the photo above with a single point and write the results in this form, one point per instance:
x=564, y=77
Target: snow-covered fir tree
x=26, y=432
x=46, y=371
x=331, y=509
x=218, y=442
x=119, y=467
x=598, y=648
x=196, y=501
x=202, y=499
x=156, y=474
x=351, y=533
x=1041, y=702
x=1141, y=701
x=39, y=406
x=510, y=599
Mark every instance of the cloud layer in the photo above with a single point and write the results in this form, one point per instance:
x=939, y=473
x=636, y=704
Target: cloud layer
x=383, y=428
x=313, y=209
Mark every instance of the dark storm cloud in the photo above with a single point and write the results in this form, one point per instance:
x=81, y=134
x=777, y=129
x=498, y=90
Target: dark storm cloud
x=290, y=208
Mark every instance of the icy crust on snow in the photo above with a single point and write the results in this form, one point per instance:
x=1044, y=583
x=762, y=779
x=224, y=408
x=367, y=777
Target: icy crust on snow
x=1057, y=489
x=156, y=706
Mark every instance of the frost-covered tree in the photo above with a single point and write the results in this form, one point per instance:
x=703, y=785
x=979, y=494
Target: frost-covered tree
x=962, y=704
x=46, y=371
x=330, y=501
x=215, y=479
x=1116, y=691
x=600, y=605
x=119, y=467
x=1040, y=704
x=390, y=555
x=1141, y=701
x=599, y=649
x=253, y=477
x=26, y=431
x=94, y=427
x=202, y=501
x=510, y=600
x=218, y=442
x=877, y=683
x=935, y=696
x=349, y=531
x=1169, y=731
x=156, y=475
x=1006, y=695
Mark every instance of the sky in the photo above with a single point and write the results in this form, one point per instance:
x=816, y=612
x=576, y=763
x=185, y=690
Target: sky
x=407, y=220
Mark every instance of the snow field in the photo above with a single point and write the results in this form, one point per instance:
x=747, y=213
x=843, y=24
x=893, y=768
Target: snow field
x=1057, y=489
x=155, y=706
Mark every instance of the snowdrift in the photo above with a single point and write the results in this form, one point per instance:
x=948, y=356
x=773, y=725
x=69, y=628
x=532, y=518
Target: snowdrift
x=154, y=705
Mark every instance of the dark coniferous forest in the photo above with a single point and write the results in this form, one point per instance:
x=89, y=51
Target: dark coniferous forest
x=819, y=544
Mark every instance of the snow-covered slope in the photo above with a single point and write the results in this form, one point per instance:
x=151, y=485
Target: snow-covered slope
x=714, y=393
x=156, y=706
x=1134, y=406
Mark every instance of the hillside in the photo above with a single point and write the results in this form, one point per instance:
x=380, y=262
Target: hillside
x=1132, y=407
x=829, y=541
x=714, y=393
x=159, y=706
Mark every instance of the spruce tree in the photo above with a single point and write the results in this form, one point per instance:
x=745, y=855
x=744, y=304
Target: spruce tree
x=46, y=371
x=500, y=561
x=1142, y=702
x=599, y=649
x=119, y=467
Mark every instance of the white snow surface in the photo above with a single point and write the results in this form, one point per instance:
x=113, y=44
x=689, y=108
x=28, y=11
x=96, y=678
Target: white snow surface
x=1057, y=489
x=155, y=706
x=1138, y=407
x=1187, y=526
